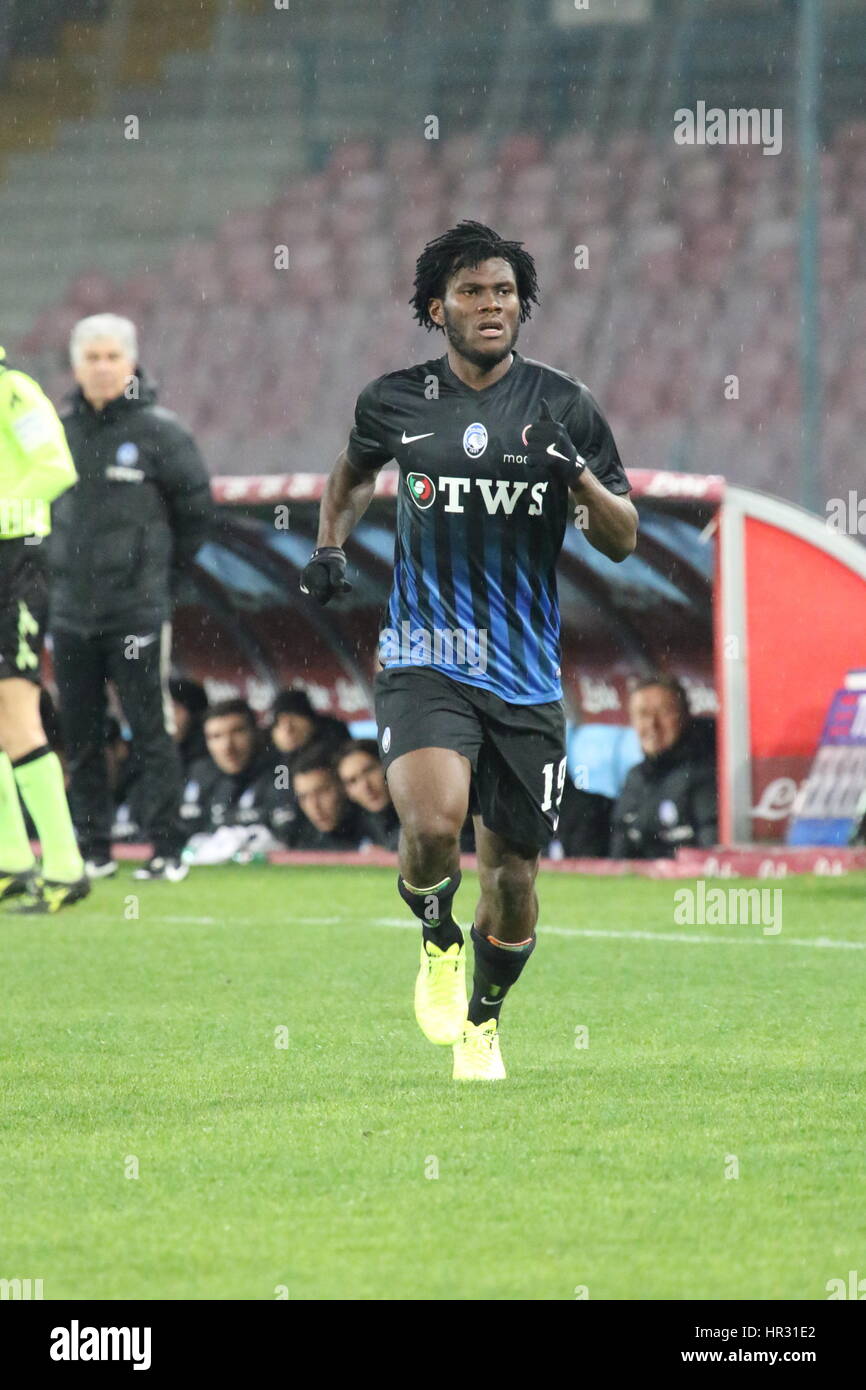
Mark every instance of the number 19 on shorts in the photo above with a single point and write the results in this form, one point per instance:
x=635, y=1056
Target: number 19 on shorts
x=547, y=800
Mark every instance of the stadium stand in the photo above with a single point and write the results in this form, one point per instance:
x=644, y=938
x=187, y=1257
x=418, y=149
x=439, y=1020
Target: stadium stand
x=261, y=142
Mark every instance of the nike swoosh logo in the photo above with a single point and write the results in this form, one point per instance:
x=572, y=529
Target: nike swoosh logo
x=410, y=438
x=490, y=1001
x=552, y=449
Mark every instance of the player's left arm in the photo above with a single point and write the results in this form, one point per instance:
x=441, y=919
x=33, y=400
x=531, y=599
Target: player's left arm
x=42, y=467
x=578, y=446
x=608, y=518
x=610, y=521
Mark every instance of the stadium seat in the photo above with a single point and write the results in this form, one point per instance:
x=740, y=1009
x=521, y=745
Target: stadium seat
x=692, y=262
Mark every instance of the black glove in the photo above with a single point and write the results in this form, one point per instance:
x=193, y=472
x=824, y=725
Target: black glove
x=549, y=446
x=324, y=576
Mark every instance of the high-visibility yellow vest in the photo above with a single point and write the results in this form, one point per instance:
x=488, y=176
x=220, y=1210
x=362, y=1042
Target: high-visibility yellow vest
x=35, y=462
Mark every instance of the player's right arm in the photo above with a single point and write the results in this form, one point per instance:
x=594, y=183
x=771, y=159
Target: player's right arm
x=348, y=493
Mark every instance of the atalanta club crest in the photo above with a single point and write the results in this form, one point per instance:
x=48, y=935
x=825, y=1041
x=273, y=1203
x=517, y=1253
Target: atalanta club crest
x=421, y=489
x=475, y=440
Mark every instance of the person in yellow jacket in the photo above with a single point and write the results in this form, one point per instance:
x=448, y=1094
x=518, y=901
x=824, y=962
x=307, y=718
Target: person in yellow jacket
x=35, y=467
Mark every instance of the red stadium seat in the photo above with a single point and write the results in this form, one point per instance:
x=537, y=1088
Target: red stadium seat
x=692, y=276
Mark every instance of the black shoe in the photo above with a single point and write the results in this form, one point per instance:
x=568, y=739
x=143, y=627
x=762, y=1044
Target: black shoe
x=48, y=895
x=167, y=866
x=12, y=884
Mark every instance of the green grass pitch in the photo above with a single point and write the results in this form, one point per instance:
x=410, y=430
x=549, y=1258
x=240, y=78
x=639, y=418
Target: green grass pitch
x=346, y=1164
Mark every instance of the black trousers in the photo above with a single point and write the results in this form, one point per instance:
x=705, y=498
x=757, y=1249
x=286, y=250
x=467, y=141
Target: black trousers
x=138, y=664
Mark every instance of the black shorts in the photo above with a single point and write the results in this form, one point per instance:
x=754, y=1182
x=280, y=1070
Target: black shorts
x=23, y=608
x=517, y=752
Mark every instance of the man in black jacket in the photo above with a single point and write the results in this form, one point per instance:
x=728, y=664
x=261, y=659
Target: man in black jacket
x=189, y=702
x=296, y=726
x=136, y=517
x=360, y=770
x=237, y=784
x=330, y=820
x=669, y=799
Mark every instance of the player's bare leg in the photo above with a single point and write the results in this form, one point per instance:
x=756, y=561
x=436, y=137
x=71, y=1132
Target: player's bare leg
x=508, y=906
x=503, y=938
x=430, y=790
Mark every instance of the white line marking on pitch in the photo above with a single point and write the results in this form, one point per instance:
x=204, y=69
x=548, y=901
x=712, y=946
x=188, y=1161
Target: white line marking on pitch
x=117, y=916
x=228, y=921
x=818, y=941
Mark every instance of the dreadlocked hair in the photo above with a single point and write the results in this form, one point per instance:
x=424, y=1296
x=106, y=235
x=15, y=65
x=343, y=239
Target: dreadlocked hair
x=468, y=244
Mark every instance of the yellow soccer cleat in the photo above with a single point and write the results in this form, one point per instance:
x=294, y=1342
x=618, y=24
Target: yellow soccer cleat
x=48, y=895
x=440, y=992
x=13, y=883
x=476, y=1055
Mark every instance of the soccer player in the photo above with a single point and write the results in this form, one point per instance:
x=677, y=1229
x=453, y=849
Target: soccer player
x=496, y=453
x=35, y=468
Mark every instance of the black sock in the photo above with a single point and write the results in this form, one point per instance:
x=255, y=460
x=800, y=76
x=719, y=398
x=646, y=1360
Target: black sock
x=496, y=970
x=432, y=907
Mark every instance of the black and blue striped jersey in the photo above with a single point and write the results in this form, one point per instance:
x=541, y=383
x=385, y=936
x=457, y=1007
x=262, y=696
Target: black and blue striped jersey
x=478, y=530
